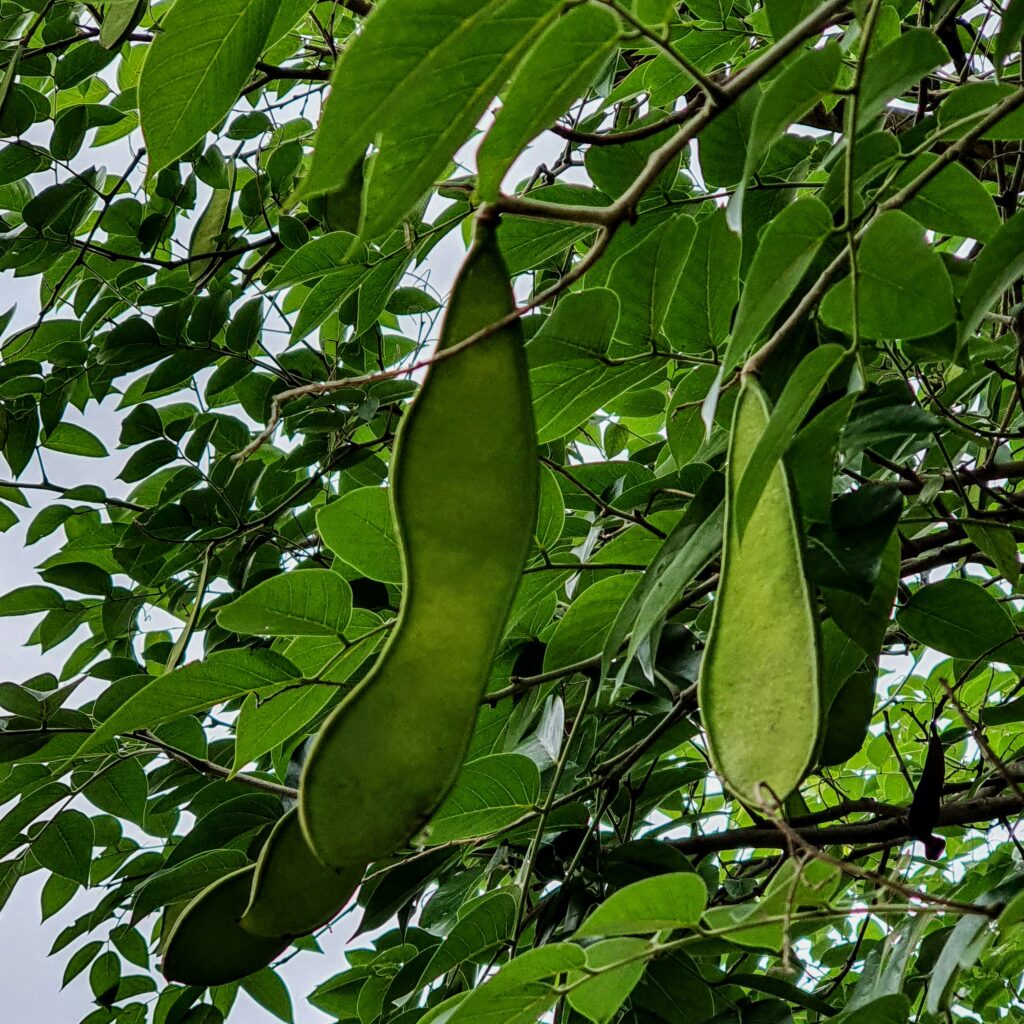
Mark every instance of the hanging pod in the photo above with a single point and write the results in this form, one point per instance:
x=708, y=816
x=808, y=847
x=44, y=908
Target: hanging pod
x=760, y=681
x=246, y=919
x=207, y=944
x=464, y=499
x=292, y=892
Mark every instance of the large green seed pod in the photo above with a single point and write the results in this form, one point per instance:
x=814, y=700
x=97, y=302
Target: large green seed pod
x=208, y=946
x=464, y=492
x=292, y=892
x=760, y=682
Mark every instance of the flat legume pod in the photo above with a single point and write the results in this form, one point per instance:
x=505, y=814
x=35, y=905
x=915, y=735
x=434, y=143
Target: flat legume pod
x=208, y=946
x=292, y=892
x=464, y=491
x=760, y=682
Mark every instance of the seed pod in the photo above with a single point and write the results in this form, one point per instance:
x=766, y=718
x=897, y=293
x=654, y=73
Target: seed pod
x=760, y=682
x=464, y=492
x=207, y=945
x=923, y=815
x=292, y=892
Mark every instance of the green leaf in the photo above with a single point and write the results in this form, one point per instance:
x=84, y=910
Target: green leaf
x=119, y=18
x=654, y=12
x=904, y=290
x=867, y=621
x=890, y=1009
x=79, y=960
x=417, y=78
x=791, y=94
x=324, y=298
x=799, y=394
x=72, y=439
x=550, y=511
x=65, y=846
x=10, y=76
x=267, y=989
x=954, y=202
x=105, y=976
x=655, y=904
x=673, y=990
x=646, y=279
x=16, y=163
x=21, y=701
x=211, y=225
x=317, y=258
x=962, y=619
x=263, y=725
x=566, y=390
x=785, y=990
x=289, y=14
x=999, y=264
x=700, y=310
x=580, y=326
x=198, y=686
x=476, y=935
x=840, y=658
x=785, y=15
x=613, y=169
x=521, y=992
x=33, y=802
x=1008, y=38
x=893, y=69
x=120, y=790
x=489, y=794
x=970, y=937
x=784, y=254
x=181, y=882
x=559, y=67
x=29, y=600
x=811, y=884
x=692, y=543
x=306, y=602
x=360, y=530
x=231, y=824
x=849, y=718
x=599, y=998
x=411, y=302
x=582, y=631
x=965, y=106
x=1000, y=544
x=1004, y=714
x=195, y=70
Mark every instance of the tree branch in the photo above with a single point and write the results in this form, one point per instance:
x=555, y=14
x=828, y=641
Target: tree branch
x=892, y=827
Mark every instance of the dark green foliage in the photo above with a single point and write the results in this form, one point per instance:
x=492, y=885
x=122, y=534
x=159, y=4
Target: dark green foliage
x=229, y=278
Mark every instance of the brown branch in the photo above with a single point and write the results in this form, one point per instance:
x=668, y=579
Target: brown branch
x=944, y=556
x=200, y=764
x=606, y=218
x=979, y=474
x=211, y=768
x=795, y=842
x=891, y=828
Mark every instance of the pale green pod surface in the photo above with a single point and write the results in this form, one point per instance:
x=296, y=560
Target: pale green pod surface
x=464, y=487
x=760, y=682
x=292, y=892
x=207, y=945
